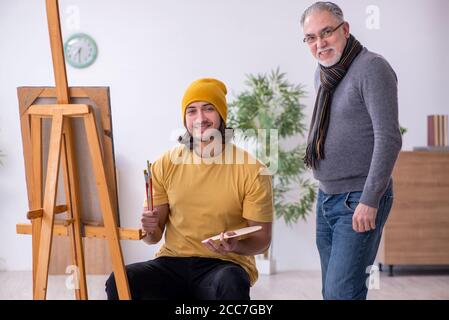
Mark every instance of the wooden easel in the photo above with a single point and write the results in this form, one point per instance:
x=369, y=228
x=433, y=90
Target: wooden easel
x=43, y=207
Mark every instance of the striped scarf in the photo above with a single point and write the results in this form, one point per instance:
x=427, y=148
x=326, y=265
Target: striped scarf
x=330, y=78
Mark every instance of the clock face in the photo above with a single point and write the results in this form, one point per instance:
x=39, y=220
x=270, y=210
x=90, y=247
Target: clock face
x=80, y=50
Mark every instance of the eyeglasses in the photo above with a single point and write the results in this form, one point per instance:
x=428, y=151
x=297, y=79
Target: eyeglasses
x=326, y=33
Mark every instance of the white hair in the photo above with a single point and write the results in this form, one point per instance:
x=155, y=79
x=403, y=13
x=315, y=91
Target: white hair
x=331, y=7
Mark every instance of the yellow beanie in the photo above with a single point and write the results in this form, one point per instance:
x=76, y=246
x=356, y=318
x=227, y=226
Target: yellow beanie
x=209, y=90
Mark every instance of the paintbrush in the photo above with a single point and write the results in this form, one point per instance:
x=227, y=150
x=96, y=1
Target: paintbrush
x=150, y=186
x=147, y=184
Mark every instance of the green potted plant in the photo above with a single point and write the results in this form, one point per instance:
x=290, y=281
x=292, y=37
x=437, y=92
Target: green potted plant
x=403, y=130
x=271, y=102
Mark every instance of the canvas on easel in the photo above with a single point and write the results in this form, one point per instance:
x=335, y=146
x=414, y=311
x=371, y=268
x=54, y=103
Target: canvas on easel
x=52, y=120
x=97, y=255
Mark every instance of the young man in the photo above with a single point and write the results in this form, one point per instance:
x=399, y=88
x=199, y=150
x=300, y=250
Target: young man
x=353, y=144
x=200, y=190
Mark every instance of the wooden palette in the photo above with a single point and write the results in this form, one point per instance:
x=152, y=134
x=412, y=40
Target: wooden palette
x=238, y=233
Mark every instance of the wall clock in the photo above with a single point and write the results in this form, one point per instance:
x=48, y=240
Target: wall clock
x=80, y=50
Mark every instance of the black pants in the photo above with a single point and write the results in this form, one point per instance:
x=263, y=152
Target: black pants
x=187, y=278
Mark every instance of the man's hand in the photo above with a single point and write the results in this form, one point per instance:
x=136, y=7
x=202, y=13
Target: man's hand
x=150, y=220
x=225, y=245
x=364, y=218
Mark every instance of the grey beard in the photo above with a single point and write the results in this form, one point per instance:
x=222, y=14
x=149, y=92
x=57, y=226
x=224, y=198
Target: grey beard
x=332, y=63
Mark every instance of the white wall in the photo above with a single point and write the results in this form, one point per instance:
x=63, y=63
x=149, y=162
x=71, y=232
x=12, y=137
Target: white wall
x=149, y=51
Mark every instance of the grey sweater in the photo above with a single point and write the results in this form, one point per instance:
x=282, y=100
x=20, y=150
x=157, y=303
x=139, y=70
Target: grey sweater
x=363, y=139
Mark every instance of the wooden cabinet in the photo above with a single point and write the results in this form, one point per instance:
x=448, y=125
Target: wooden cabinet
x=417, y=230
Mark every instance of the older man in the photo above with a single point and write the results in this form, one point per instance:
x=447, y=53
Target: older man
x=353, y=143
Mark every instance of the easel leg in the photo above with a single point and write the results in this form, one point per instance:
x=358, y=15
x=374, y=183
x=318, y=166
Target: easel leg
x=36, y=158
x=73, y=213
x=106, y=208
x=46, y=232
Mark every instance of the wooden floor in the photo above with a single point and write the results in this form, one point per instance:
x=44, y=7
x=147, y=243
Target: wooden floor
x=294, y=285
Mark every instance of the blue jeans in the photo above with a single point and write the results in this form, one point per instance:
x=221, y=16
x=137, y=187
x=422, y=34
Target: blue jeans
x=345, y=254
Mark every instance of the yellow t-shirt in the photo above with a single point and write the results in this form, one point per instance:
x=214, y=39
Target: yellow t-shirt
x=208, y=197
